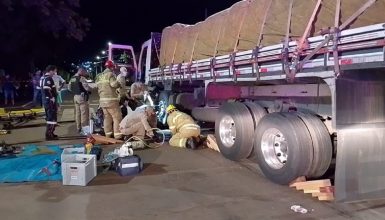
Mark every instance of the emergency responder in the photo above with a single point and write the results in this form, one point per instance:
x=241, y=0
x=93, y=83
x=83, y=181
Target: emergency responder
x=122, y=91
x=48, y=92
x=121, y=78
x=139, y=123
x=81, y=90
x=109, y=100
x=138, y=92
x=185, y=132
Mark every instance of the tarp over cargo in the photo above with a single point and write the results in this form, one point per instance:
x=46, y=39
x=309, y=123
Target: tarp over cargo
x=252, y=23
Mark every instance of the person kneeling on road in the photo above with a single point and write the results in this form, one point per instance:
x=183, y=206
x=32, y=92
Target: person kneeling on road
x=139, y=123
x=185, y=132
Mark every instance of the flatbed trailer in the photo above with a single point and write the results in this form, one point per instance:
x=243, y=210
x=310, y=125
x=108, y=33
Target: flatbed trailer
x=294, y=108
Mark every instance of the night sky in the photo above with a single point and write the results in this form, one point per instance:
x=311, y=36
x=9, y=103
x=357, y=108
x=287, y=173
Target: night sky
x=132, y=21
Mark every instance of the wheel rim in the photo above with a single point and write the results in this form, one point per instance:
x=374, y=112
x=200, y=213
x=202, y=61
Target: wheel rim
x=274, y=148
x=162, y=111
x=227, y=131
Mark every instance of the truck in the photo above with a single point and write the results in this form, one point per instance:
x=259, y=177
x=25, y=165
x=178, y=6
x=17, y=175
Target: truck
x=295, y=86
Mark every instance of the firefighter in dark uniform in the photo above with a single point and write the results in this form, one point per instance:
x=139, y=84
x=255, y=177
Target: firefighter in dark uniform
x=48, y=92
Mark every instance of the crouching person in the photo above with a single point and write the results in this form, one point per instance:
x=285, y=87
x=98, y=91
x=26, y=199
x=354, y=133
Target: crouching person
x=138, y=123
x=185, y=132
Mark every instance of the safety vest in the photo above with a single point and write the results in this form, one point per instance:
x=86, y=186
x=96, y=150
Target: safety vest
x=76, y=86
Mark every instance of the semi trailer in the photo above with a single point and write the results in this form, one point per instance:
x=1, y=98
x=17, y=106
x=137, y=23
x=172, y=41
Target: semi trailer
x=297, y=86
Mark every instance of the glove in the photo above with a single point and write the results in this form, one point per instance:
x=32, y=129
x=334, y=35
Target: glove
x=52, y=99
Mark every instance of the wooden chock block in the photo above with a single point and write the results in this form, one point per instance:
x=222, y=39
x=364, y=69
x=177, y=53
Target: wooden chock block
x=298, y=180
x=312, y=184
x=105, y=140
x=212, y=143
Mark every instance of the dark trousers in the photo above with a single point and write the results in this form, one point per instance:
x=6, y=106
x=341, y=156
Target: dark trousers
x=50, y=117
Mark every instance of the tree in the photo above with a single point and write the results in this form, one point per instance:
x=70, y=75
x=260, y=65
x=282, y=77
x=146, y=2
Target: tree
x=36, y=30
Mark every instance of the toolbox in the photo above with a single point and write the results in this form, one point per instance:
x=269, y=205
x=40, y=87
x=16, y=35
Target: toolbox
x=130, y=165
x=78, y=169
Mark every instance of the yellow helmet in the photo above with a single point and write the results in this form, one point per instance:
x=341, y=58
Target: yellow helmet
x=170, y=108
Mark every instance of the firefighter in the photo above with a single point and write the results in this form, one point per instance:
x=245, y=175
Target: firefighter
x=139, y=123
x=81, y=90
x=48, y=92
x=185, y=132
x=121, y=78
x=109, y=100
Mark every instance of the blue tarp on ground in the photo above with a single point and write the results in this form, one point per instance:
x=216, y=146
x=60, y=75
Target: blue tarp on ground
x=34, y=164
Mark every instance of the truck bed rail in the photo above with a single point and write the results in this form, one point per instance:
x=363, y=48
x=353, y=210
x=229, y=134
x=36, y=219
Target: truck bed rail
x=357, y=48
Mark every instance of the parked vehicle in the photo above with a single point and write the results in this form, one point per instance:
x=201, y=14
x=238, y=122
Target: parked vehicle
x=291, y=85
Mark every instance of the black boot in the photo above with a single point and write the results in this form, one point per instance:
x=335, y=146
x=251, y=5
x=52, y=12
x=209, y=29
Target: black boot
x=49, y=135
x=191, y=143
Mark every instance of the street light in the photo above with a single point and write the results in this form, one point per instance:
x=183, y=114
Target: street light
x=109, y=43
x=98, y=57
x=103, y=52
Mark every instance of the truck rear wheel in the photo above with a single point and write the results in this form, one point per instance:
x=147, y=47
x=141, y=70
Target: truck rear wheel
x=234, y=131
x=283, y=147
x=322, y=145
x=257, y=112
x=163, y=102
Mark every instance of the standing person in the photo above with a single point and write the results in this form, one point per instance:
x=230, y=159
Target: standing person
x=109, y=100
x=9, y=90
x=37, y=99
x=185, y=132
x=59, y=83
x=48, y=91
x=122, y=91
x=79, y=87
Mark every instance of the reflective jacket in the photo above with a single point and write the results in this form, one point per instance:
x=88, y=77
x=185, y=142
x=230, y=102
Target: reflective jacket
x=107, y=85
x=178, y=121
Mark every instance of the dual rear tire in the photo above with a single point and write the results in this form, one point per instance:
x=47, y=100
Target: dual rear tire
x=284, y=145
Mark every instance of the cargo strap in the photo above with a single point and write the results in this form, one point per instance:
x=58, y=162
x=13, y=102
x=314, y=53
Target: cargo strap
x=302, y=43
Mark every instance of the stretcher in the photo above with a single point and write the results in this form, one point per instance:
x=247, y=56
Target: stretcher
x=7, y=118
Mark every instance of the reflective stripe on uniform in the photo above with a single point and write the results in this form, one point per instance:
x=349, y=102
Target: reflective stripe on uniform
x=51, y=122
x=176, y=117
x=102, y=81
x=108, y=99
x=190, y=126
x=46, y=87
x=182, y=142
x=108, y=133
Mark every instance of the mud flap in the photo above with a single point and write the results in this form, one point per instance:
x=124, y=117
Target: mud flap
x=360, y=125
x=360, y=170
